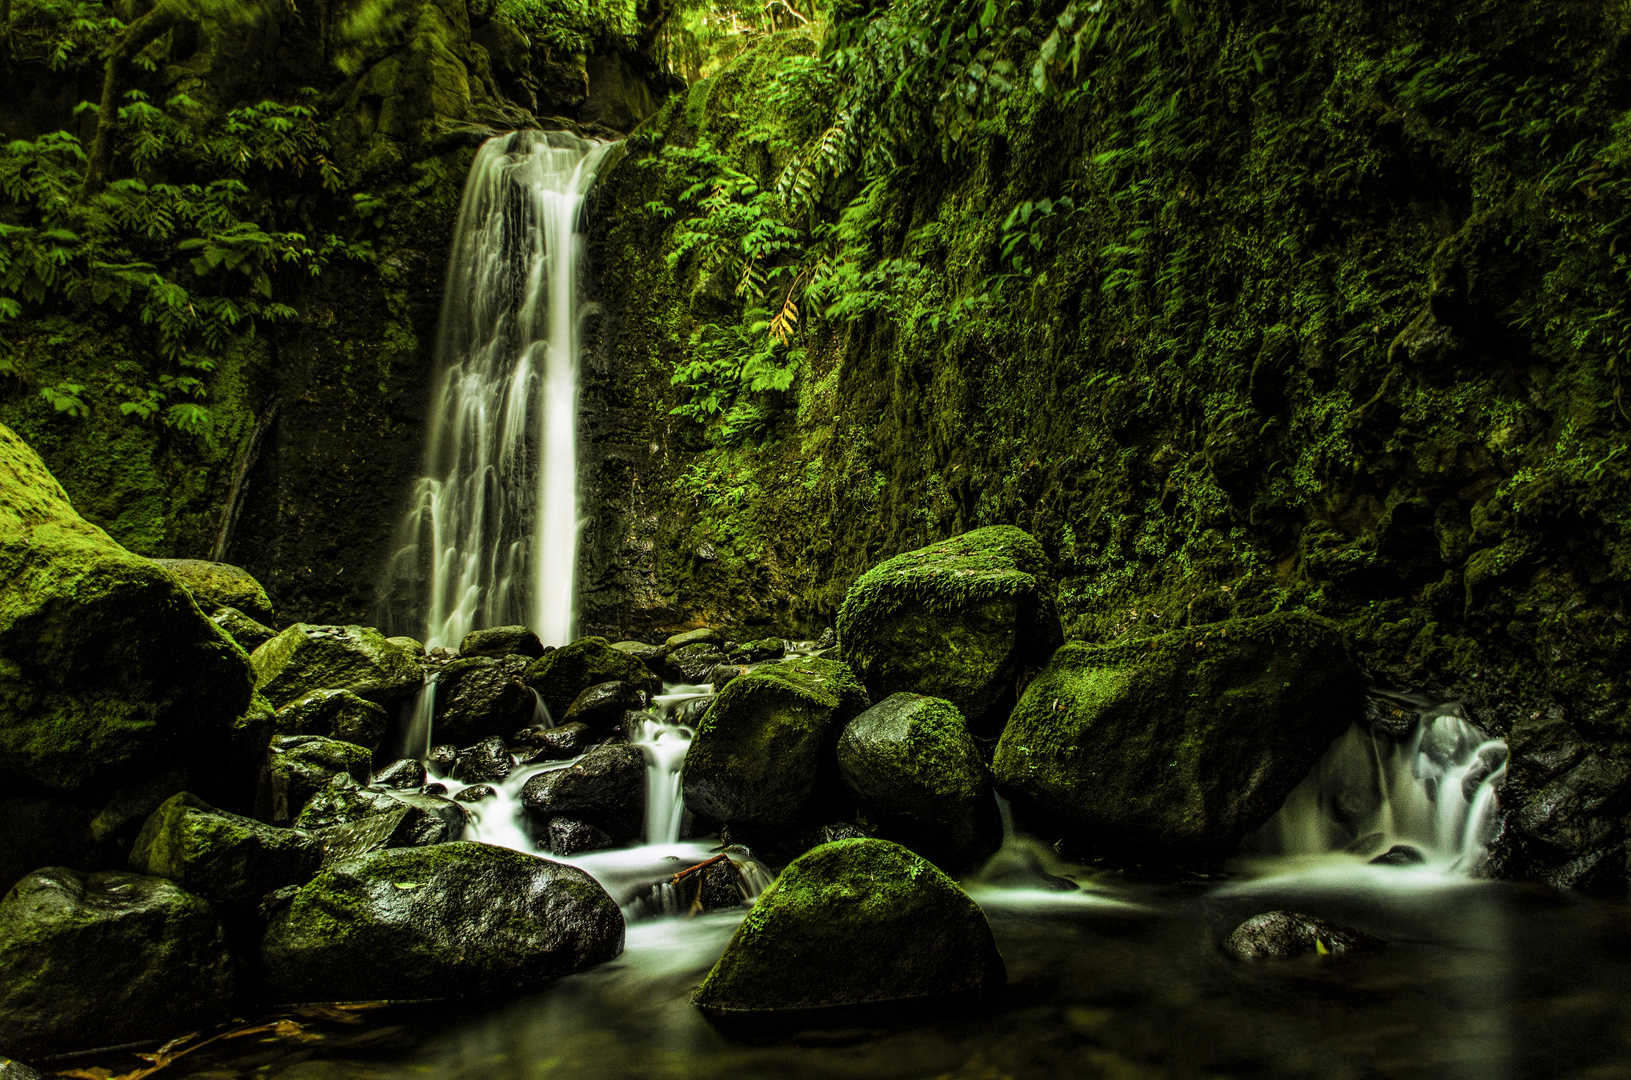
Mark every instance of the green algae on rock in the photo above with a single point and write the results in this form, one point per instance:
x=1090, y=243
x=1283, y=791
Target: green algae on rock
x=305, y=658
x=854, y=923
x=448, y=920
x=762, y=759
x=298, y=766
x=560, y=675
x=107, y=666
x=249, y=634
x=220, y=585
x=960, y=620
x=96, y=960
x=334, y=714
x=1183, y=743
x=226, y=859
x=916, y=774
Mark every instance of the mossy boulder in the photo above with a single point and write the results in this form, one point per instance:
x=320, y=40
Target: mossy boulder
x=298, y=766
x=562, y=674
x=305, y=658
x=502, y=641
x=334, y=714
x=1183, y=743
x=854, y=923
x=461, y=918
x=960, y=620
x=94, y=960
x=108, y=668
x=219, y=585
x=762, y=760
x=478, y=696
x=916, y=774
x=222, y=857
x=249, y=634
x=416, y=819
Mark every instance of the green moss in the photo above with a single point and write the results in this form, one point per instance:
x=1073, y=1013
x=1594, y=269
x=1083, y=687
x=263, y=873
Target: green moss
x=560, y=675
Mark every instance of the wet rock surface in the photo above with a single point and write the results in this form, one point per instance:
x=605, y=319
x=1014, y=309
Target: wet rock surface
x=299, y=766
x=480, y=696
x=601, y=707
x=334, y=714
x=220, y=585
x=606, y=789
x=690, y=664
x=224, y=858
x=249, y=634
x=417, y=818
x=568, y=836
x=416, y=922
x=404, y=773
x=107, y=958
x=558, y=743
x=561, y=675
x=502, y=641
x=488, y=761
x=306, y=657
x=1286, y=935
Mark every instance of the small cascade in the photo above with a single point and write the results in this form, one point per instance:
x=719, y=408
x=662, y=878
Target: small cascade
x=665, y=742
x=491, y=534
x=417, y=732
x=1423, y=793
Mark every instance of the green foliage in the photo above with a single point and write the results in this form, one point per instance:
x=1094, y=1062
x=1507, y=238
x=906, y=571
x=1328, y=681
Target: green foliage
x=565, y=27
x=63, y=34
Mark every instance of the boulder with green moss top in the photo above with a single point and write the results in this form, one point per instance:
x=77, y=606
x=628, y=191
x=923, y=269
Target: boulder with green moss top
x=1179, y=744
x=222, y=857
x=700, y=636
x=95, y=960
x=249, y=634
x=858, y=924
x=650, y=655
x=690, y=664
x=219, y=585
x=961, y=620
x=336, y=714
x=416, y=819
x=107, y=667
x=762, y=760
x=298, y=766
x=502, y=641
x=562, y=674
x=478, y=696
x=356, y=658
x=461, y=918
x=917, y=776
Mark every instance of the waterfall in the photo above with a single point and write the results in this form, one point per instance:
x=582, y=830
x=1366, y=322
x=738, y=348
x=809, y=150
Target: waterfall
x=1428, y=793
x=491, y=533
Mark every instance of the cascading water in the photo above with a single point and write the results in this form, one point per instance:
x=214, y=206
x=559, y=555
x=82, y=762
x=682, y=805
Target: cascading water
x=491, y=535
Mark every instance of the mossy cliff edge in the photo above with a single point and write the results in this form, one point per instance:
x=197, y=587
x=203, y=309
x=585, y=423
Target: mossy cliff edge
x=1293, y=305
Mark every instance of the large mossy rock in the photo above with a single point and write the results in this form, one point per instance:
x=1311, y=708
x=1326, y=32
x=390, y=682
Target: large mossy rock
x=762, y=759
x=305, y=658
x=335, y=714
x=478, y=696
x=960, y=620
x=453, y=919
x=298, y=766
x=108, y=668
x=560, y=675
x=227, y=859
x=92, y=960
x=1179, y=744
x=853, y=923
x=219, y=585
x=916, y=774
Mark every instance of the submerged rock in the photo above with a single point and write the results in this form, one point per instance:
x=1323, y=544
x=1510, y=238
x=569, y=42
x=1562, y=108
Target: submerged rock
x=607, y=789
x=854, y=923
x=762, y=759
x=1179, y=745
x=916, y=774
x=220, y=585
x=1399, y=855
x=334, y=714
x=224, y=858
x=95, y=960
x=502, y=641
x=454, y=919
x=1285, y=935
x=249, y=634
x=108, y=669
x=297, y=767
x=304, y=658
x=958, y=620
x=560, y=676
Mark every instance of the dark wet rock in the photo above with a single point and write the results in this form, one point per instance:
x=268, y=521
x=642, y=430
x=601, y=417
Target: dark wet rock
x=721, y=674
x=1285, y=935
x=441, y=759
x=762, y=759
x=95, y=960
x=16, y=1070
x=1399, y=855
x=220, y=585
x=222, y=857
x=488, y=760
x=1490, y=758
x=757, y=652
x=568, y=836
x=958, y=620
x=476, y=794
x=828, y=639
x=297, y=767
x=701, y=636
x=404, y=773
x=917, y=776
x=858, y=922
x=502, y=641
x=133, y=803
x=560, y=743
x=478, y=696
x=460, y=918
x=601, y=707
x=335, y=714
x=561, y=675
x=304, y=658
x=426, y=818
x=607, y=789
x=650, y=655
x=1179, y=744
x=108, y=669
x=690, y=665
x=249, y=634
x=435, y=789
